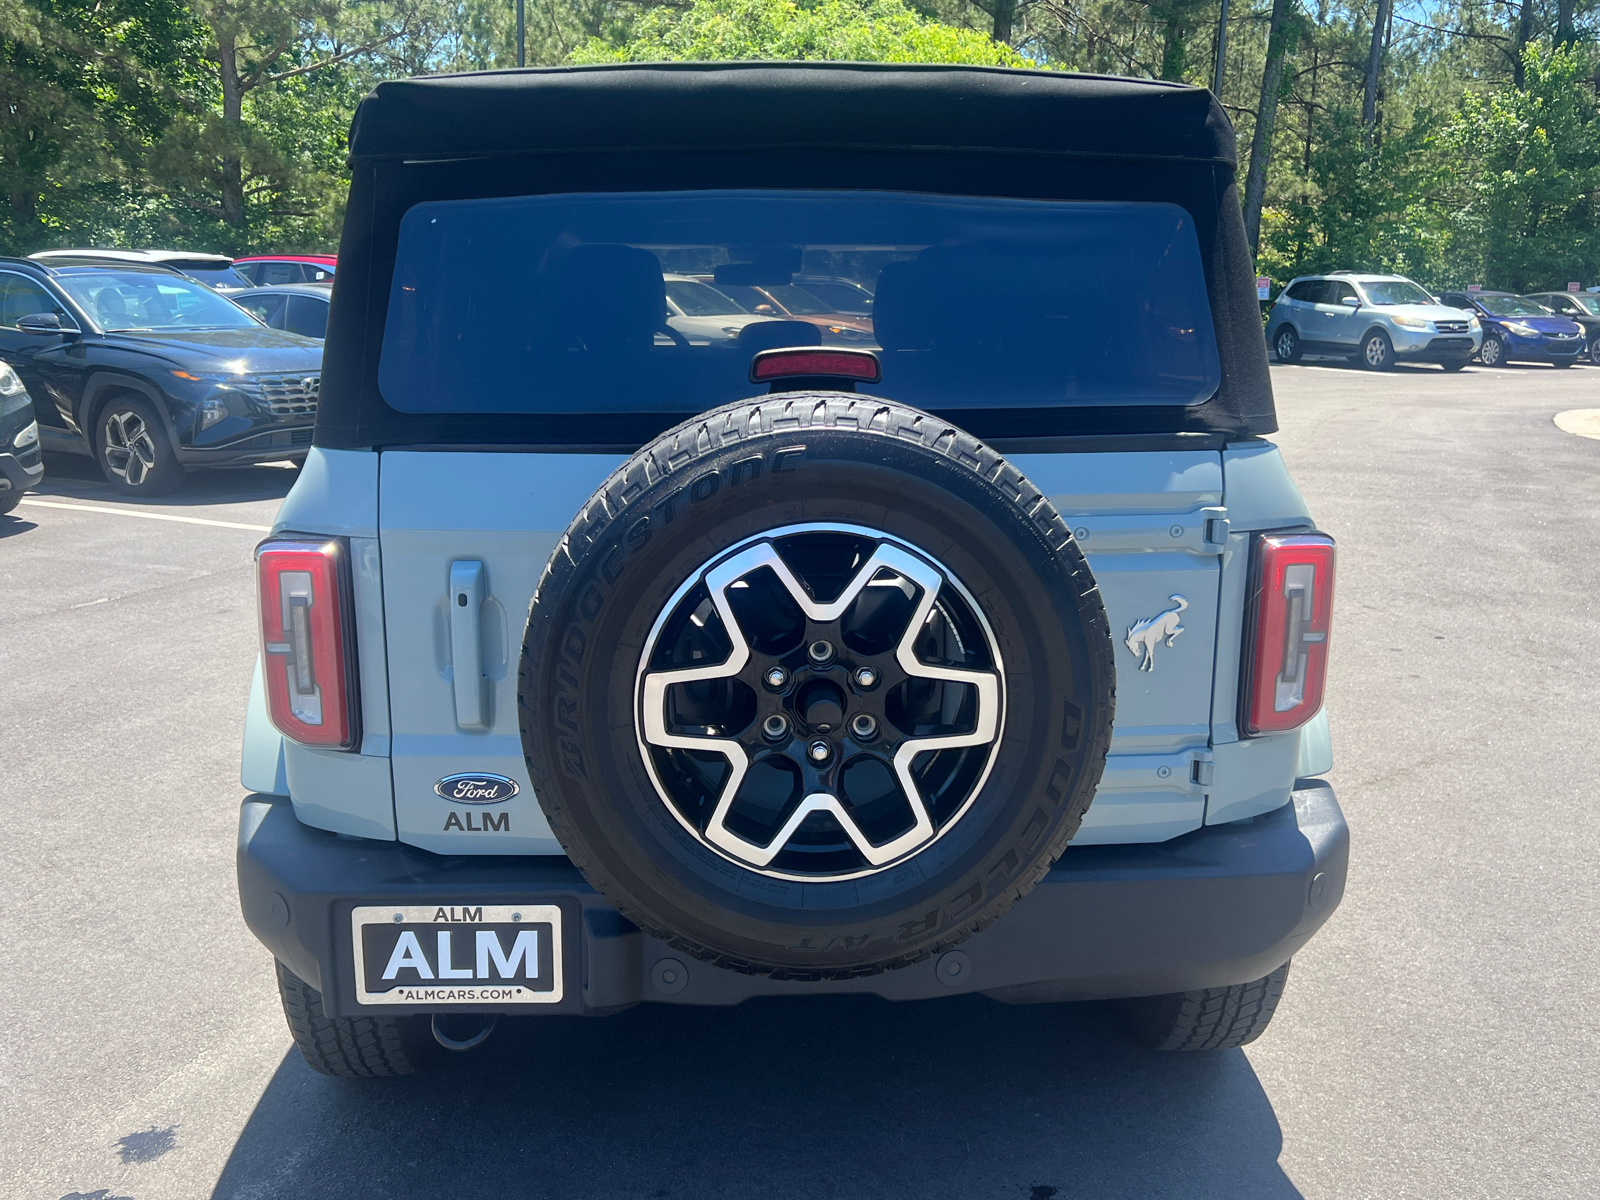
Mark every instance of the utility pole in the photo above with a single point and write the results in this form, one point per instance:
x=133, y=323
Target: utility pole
x=1222, y=51
x=522, y=45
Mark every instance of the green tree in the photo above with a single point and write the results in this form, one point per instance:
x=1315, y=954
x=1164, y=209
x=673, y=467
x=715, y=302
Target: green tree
x=1528, y=215
x=851, y=30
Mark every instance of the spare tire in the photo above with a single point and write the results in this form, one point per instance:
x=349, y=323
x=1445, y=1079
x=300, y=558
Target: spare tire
x=816, y=686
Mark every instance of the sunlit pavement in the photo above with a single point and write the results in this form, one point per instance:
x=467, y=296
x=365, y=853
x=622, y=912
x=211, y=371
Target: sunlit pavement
x=1437, y=1039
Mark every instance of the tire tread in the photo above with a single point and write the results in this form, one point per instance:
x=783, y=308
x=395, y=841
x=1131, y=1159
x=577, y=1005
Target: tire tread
x=362, y=1047
x=1223, y=1018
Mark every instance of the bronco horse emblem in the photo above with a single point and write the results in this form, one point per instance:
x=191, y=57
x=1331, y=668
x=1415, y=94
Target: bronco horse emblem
x=1143, y=635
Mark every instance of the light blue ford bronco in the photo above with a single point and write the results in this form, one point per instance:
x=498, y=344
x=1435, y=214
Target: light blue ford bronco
x=911, y=606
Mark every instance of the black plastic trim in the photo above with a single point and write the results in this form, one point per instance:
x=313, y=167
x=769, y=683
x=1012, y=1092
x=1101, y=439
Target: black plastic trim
x=1222, y=905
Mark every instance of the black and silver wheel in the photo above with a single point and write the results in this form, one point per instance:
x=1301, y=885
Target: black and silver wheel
x=899, y=667
x=1222, y=1018
x=374, y=1045
x=1493, y=352
x=1593, y=351
x=135, y=452
x=1286, y=345
x=816, y=687
x=1377, y=351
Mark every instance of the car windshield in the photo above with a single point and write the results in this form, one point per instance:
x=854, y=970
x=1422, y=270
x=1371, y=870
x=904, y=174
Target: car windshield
x=1512, y=306
x=978, y=302
x=223, y=276
x=1395, y=291
x=698, y=299
x=137, y=300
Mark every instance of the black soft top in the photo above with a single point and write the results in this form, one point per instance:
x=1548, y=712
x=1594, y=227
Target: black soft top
x=981, y=131
x=744, y=106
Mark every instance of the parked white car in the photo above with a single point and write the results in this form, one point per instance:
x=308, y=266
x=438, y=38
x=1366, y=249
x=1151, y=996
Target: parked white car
x=704, y=314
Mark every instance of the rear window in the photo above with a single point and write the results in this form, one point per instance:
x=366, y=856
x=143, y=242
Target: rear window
x=977, y=303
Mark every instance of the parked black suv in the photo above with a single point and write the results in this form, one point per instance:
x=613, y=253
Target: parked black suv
x=151, y=372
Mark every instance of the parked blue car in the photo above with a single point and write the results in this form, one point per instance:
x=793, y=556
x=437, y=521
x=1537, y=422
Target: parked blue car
x=1516, y=329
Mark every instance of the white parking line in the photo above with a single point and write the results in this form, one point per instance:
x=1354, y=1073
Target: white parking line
x=148, y=516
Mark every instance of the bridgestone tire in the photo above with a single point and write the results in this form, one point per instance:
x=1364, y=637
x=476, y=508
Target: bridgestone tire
x=1211, y=1019
x=352, y=1046
x=722, y=481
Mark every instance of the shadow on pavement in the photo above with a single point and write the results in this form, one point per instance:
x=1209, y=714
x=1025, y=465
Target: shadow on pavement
x=77, y=478
x=17, y=522
x=846, y=1097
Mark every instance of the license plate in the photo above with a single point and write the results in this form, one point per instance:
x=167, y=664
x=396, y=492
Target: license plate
x=458, y=954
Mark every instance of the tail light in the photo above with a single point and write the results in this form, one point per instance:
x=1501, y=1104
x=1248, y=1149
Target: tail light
x=792, y=362
x=308, y=642
x=1286, y=657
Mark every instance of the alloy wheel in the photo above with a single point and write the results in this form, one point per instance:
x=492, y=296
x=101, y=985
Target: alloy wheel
x=820, y=703
x=1376, y=351
x=130, y=450
x=1491, y=352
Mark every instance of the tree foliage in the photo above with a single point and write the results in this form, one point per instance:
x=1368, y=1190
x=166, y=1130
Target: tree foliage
x=839, y=30
x=1454, y=140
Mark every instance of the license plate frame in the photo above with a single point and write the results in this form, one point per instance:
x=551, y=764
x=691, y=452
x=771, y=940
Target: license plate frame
x=504, y=965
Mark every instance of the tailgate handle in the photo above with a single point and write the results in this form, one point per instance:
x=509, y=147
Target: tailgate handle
x=466, y=644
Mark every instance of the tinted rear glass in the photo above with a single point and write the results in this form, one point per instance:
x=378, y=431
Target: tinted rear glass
x=977, y=303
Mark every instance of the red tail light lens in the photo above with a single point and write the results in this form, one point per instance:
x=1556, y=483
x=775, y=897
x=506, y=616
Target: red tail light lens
x=307, y=641
x=1287, y=655
x=769, y=365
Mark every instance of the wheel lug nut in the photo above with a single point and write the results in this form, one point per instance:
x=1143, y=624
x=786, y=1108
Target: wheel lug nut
x=820, y=653
x=776, y=677
x=819, y=751
x=864, y=726
x=775, y=728
x=866, y=677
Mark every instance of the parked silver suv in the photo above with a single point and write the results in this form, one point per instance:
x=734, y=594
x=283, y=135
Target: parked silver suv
x=1376, y=320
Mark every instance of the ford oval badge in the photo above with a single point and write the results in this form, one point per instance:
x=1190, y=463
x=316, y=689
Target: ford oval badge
x=478, y=788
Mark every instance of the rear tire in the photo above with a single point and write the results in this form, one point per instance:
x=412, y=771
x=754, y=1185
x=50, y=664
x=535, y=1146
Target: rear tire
x=1286, y=344
x=9, y=501
x=1209, y=1019
x=352, y=1046
x=133, y=449
x=1562, y=362
x=1453, y=364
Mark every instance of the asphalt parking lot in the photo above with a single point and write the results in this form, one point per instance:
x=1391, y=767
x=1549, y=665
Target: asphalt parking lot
x=1436, y=1040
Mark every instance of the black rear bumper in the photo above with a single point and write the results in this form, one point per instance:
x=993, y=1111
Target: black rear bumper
x=1222, y=905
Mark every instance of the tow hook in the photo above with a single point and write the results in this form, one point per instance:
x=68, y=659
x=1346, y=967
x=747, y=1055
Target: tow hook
x=462, y=1045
